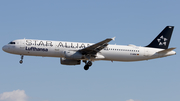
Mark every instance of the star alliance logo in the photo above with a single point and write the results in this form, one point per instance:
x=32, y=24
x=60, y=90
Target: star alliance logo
x=162, y=40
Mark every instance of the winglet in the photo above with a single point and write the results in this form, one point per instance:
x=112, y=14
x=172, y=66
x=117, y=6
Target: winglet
x=113, y=38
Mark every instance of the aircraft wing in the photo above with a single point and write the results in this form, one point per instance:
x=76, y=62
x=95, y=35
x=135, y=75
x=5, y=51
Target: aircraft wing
x=93, y=49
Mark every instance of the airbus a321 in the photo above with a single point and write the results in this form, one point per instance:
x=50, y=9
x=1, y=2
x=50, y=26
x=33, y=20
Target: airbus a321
x=72, y=53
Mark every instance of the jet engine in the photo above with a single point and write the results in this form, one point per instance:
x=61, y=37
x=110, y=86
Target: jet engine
x=70, y=62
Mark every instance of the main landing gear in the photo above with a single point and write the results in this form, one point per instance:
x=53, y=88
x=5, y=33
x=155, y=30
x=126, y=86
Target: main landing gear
x=88, y=64
x=21, y=61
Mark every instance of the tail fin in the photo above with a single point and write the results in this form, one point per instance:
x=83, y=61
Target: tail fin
x=163, y=39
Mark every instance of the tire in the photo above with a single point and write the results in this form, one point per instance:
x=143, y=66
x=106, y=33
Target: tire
x=89, y=63
x=20, y=61
x=86, y=67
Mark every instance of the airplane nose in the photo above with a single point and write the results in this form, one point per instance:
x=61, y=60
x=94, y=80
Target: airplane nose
x=4, y=48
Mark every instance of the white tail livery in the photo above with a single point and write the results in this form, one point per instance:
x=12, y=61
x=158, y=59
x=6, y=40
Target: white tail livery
x=71, y=53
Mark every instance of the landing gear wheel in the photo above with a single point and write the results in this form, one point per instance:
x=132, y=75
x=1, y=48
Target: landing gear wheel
x=86, y=67
x=89, y=63
x=21, y=61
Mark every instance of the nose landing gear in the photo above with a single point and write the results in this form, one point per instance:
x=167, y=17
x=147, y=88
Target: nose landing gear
x=88, y=64
x=21, y=61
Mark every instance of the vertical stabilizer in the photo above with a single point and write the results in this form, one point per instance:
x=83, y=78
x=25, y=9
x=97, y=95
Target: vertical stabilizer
x=163, y=39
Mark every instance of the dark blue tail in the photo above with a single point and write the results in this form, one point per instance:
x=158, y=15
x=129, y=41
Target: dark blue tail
x=163, y=39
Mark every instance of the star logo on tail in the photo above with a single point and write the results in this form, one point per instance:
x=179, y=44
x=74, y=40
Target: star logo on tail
x=162, y=40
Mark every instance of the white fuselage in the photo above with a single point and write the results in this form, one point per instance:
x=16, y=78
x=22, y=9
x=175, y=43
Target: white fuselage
x=57, y=48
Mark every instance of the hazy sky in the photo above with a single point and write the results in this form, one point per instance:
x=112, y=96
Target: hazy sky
x=131, y=22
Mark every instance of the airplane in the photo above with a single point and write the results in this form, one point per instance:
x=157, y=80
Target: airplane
x=72, y=53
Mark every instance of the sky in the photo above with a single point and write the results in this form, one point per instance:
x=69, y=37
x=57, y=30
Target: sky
x=135, y=22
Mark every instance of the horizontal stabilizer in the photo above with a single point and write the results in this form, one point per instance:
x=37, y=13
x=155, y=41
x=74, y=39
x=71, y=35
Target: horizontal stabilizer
x=166, y=50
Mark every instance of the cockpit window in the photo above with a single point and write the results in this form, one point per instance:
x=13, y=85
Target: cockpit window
x=11, y=42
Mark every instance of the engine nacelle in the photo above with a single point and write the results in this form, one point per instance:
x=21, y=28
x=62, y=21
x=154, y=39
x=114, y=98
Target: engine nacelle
x=70, y=62
x=72, y=55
